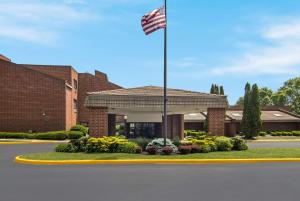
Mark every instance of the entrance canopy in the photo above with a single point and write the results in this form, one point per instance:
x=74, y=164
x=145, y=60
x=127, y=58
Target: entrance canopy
x=150, y=99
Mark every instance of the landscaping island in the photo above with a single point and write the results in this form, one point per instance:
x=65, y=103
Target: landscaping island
x=248, y=154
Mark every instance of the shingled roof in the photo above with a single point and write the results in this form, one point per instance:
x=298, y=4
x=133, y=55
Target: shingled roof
x=151, y=97
x=237, y=115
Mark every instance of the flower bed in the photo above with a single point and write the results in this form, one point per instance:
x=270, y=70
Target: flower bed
x=119, y=144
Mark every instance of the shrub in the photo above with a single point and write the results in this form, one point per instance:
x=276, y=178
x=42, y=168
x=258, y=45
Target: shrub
x=262, y=133
x=128, y=147
x=55, y=135
x=212, y=144
x=79, y=144
x=296, y=133
x=65, y=147
x=151, y=150
x=167, y=150
x=187, y=142
x=75, y=135
x=105, y=144
x=200, y=135
x=238, y=144
x=7, y=135
x=195, y=149
x=176, y=142
x=223, y=144
x=142, y=142
x=84, y=130
x=138, y=150
x=185, y=150
x=159, y=144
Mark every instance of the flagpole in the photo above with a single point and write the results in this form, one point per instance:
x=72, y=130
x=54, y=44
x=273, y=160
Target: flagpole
x=165, y=80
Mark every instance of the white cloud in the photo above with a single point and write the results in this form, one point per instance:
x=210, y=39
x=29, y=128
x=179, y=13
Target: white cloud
x=279, y=56
x=38, y=22
x=186, y=62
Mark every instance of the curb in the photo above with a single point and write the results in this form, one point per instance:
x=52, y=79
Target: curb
x=16, y=142
x=21, y=160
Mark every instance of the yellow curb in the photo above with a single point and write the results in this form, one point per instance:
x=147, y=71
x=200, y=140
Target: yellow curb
x=18, y=159
x=30, y=142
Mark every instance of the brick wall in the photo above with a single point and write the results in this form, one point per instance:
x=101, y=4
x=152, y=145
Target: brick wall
x=98, y=122
x=91, y=83
x=68, y=74
x=61, y=72
x=216, y=121
x=30, y=100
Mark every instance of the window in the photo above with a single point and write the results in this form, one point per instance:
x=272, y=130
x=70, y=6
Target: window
x=75, y=106
x=75, y=84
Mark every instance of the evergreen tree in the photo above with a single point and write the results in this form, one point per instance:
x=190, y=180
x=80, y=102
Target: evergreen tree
x=256, y=122
x=217, y=89
x=222, y=90
x=212, y=89
x=246, y=121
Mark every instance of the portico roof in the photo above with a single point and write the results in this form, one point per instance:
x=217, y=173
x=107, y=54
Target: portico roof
x=150, y=98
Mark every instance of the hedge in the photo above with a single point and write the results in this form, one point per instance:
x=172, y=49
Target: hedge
x=54, y=135
x=285, y=133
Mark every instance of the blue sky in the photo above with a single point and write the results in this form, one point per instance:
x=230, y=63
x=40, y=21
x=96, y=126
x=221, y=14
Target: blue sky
x=228, y=42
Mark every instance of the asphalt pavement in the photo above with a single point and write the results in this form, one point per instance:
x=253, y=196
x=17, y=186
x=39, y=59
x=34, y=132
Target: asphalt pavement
x=244, y=182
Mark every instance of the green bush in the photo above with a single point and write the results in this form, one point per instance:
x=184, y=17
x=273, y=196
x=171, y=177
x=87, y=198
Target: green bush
x=285, y=133
x=75, y=135
x=65, y=147
x=110, y=145
x=200, y=135
x=79, y=144
x=212, y=144
x=55, y=135
x=142, y=142
x=223, y=144
x=129, y=147
x=7, y=135
x=80, y=128
x=239, y=144
x=159, y=144
x=262, y=133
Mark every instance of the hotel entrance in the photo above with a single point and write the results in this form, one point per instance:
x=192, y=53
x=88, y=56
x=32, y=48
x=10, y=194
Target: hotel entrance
x=144, y=130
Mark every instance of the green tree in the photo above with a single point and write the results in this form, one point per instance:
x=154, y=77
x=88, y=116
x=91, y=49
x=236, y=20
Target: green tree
x=289, y=95
x=222, y=90
x=265, y=96
x=217, y=89
x=246, y=121
x=255, y=115
x=240, y=101
x=212, y=89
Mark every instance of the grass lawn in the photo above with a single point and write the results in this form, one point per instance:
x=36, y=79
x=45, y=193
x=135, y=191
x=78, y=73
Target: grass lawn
x=252, y=153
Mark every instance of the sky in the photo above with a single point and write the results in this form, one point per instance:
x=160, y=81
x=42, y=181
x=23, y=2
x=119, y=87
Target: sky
x=227, y=42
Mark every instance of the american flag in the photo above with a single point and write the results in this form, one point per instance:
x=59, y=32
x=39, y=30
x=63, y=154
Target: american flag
x=154, y=20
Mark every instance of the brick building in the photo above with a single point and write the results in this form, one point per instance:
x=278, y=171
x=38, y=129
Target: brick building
x=45, y=97
x=143, y=108
x=273, y=118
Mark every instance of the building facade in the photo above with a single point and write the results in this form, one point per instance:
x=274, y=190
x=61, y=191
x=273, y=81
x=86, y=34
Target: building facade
x=273, y=119
x=44, y=97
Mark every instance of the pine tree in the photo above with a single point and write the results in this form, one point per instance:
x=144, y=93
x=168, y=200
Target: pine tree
x=222, y=90
x=217, y=89
x=212, y=89
x=246, y=125
x=256, y=122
